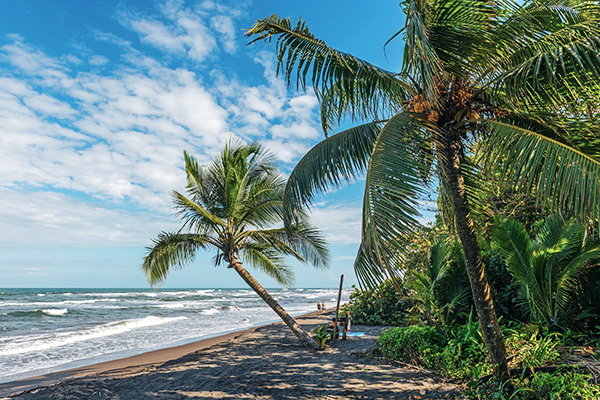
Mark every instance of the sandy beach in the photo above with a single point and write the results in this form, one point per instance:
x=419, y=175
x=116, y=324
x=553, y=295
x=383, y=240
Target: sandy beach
x=260, y=363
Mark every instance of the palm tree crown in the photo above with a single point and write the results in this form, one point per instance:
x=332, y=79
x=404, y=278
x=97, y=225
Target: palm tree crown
x=232, y=205
x=515, y=81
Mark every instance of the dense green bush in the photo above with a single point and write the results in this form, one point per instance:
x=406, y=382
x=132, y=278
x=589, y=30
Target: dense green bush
x=457, y=354
x=381, y=306
x=558, y=385
x=460, y=353
x=417, y=345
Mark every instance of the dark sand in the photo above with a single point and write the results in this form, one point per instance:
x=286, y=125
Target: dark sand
x=261, y=363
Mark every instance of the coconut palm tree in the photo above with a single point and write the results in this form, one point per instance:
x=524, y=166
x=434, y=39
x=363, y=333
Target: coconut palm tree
x=546, y=268
x=517, y=81
x=232, y=205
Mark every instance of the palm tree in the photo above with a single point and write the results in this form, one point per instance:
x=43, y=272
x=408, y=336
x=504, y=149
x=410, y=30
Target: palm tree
x=515, y=81
x=232, y=205
x=546, y=268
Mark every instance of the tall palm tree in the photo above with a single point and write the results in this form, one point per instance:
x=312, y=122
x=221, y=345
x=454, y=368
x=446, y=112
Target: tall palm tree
x=517, y=81
x=546, y=268
x=232, y=205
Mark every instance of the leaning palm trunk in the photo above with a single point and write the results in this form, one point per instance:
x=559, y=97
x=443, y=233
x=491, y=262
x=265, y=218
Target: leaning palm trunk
x=482, y=295
x=306, y=340
x=228, y=203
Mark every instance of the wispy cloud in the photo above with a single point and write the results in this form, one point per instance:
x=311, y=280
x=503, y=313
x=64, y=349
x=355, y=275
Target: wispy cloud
x=90, y=150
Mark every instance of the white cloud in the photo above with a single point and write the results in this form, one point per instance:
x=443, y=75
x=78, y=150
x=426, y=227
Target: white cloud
x=98, y=60
x=177, y=30
x=49, y=219
x=340, y=224
x=116, y=136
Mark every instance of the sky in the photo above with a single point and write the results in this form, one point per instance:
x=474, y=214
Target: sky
x=98, y=101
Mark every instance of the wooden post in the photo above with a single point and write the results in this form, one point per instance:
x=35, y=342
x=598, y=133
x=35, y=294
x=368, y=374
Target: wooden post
x=337, y=310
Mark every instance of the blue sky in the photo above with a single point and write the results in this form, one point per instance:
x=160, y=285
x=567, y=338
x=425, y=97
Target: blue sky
x=98, y=101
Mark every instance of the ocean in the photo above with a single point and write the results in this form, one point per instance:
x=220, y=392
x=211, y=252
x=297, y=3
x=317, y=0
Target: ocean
x=49, y=330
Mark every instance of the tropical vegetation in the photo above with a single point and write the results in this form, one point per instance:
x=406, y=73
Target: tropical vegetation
x=504, y=86
x=233, y=205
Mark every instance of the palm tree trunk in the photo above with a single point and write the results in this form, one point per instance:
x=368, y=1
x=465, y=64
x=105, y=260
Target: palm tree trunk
x=306, y=340
x=482, y=296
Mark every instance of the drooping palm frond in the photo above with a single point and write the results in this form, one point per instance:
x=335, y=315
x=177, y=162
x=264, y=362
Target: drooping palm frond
x=337, y=104
x=269, y=261
x=341, y=157
x=394, y=182
x=420, y=58
x=302, y=55
x=562, y=176
x=549, y=54
x=172, y=250
x=392, y=191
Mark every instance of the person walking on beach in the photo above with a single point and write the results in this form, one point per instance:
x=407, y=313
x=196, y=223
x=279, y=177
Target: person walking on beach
x=318, y=308
x=323, y=309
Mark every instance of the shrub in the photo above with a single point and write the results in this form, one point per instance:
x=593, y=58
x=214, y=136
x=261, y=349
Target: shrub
x=541, y=386
x=381, y=306
x=417, y=345
x=454, y=354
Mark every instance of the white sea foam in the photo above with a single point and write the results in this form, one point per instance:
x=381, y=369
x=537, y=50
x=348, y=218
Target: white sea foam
x=56, y=303
x=65, y=338
x=177, y=305
x=54, y=311
x=209, y=312
x=41, y=294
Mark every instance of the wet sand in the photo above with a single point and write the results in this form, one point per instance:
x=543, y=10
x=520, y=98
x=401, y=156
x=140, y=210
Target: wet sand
x=266, y=362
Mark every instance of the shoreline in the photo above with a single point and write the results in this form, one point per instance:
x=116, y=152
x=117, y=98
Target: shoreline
x=138, y=361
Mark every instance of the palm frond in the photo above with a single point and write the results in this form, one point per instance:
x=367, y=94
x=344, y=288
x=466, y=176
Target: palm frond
x=337, y=103
x=369, y=271
x=420, y=58
x=563, y=177
x=550, y=53
x=266, y=260
x=393, y=186
x=299, y=53
x=172, y=250
x=195, y=215
x=338, y=158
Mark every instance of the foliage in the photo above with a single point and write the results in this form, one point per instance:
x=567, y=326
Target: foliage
x=442, y=288
x=460, y=352
x=380, y=306
x=504, y=292
x=546, y=268
x=541, y=386
x=321, y=335
x=455, y=354
x=517, y=80
x=418, y=345
x=231, y=206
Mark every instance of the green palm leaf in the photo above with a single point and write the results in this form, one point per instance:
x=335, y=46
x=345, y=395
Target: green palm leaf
x=338, y=158
x=172, y=250
x=562, y=176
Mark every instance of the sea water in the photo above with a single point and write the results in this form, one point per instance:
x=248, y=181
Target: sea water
x=49, y=330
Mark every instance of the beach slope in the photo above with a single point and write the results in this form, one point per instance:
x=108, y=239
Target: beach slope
x=266, y=363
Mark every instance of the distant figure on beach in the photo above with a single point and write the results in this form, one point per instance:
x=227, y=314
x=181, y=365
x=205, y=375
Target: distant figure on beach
x=323, y=309
x=318, y=308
